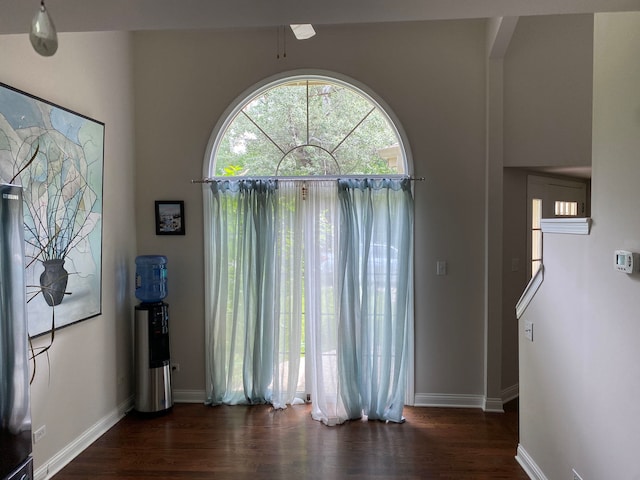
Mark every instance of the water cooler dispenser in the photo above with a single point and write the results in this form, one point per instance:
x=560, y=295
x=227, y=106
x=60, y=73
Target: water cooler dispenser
x=152, y=358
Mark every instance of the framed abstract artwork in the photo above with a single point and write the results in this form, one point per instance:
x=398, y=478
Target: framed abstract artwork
x=57, y=156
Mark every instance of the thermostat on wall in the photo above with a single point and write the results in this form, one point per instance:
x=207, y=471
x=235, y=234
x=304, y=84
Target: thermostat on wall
x=626, y=262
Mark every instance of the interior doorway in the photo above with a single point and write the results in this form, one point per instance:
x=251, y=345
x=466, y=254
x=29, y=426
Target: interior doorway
x=551, y=197
x=520, y=187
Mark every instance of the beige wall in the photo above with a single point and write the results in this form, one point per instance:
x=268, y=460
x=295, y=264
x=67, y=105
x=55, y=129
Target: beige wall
x=548, y=88
x=432, y=74
x=579, y=383
x=547, y=122
x=433, y=77
x=514, y=235
x=90, y=363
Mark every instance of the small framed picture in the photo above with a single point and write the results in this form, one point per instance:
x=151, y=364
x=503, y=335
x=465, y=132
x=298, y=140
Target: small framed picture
x=169, y=217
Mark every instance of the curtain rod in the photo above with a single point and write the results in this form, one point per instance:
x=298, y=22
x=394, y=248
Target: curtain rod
x=307, y=179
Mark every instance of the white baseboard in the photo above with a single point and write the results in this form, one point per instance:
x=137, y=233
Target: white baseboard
x=467, y=401
x=421, y=399
x=447, y=400
x=75, y=448
x=492, y=405
x=189, y=396
x=528, y=465
x=511, y=393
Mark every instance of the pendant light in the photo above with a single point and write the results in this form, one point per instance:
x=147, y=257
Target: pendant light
x=43, y=35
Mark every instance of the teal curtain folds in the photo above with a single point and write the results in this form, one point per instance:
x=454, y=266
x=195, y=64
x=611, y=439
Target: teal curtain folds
x=376, y=295
x=330, y=260
x=240, y=343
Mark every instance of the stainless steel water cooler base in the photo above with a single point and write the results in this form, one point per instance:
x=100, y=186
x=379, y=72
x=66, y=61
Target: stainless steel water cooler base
x=154, y=394
x=152, y=363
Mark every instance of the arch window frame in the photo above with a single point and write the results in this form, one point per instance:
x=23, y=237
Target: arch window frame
x=254, y=91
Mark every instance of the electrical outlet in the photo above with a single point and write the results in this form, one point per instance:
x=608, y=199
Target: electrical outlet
x=575, y=474
x=441, y=267
x=175, y=367
x=39, y=433
x=528, y=330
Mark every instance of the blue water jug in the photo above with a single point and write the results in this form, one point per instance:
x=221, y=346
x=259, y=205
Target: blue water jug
x=151, y=278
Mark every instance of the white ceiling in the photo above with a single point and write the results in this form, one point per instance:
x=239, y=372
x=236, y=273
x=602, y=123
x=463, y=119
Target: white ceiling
x=129, y=15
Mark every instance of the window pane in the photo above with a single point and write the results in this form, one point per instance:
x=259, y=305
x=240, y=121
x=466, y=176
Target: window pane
x=245, y=150
x=308, y=160
x=566, y=209
x=281, y=113
x=309, y=126
x=362, y=150
x=536, y=212
x=536, y=245
x=334, y=111
x=535, y=266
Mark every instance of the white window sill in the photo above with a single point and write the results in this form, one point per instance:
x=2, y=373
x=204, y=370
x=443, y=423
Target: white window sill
x=575, y=226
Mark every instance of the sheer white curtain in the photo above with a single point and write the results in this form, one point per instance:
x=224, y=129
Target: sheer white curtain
x=330, y=258
x=321, y=300
x=289, y=305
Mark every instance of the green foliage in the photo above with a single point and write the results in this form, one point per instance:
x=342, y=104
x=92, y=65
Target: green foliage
x=232, y=171
x=305, y=128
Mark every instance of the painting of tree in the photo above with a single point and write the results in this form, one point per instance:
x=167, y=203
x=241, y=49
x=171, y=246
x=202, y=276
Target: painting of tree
x=56, y=155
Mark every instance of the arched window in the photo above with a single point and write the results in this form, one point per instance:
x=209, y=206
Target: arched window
x=311, y=267
x=307, y=125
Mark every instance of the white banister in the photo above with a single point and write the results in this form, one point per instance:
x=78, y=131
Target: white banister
x=530, y=291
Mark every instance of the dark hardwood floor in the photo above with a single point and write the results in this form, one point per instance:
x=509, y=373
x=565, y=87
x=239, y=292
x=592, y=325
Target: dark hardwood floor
x=198, y=442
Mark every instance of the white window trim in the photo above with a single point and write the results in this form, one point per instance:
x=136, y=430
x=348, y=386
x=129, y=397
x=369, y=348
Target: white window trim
x=235, y=106
x=575, y=226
